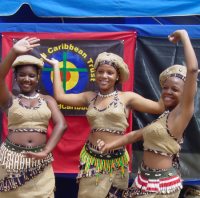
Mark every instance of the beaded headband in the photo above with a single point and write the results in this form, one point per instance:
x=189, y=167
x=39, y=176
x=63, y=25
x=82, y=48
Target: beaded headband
x=111, y=64
x=116, y=61
x=178, y=71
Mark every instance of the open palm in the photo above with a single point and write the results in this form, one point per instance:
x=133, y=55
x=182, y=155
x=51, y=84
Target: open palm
x=26, y=44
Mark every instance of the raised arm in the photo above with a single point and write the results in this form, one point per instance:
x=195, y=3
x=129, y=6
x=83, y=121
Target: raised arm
x=192, y=68
x=181, y=115
x=129, y=138
x=190, y=85
x=21, y=47
x=141, y=104
x=80, y=99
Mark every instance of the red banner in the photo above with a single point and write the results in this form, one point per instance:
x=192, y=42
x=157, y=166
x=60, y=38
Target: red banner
x=77, y=53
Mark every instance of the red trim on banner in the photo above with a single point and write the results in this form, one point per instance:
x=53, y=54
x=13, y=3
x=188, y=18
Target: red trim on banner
x=66, y=153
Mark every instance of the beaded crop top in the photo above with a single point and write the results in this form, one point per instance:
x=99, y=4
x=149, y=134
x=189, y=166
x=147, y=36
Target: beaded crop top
x=158, y=139
x=110, y=119
x=28, y=119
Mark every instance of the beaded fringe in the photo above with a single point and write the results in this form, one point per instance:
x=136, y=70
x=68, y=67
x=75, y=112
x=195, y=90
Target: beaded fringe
x=161, y=186
x=102, y=165
x=14, y=161
x=18, y=168
x=11, y=182
x=139, y=190
x=145, y=186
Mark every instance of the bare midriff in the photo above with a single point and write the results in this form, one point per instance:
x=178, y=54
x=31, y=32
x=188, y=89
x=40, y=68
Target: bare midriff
x=157, y=161
x=105, y=136
x=28, y=139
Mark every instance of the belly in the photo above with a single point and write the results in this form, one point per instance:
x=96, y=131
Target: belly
x=29, y=139
x=157, y=161
x=105, y=136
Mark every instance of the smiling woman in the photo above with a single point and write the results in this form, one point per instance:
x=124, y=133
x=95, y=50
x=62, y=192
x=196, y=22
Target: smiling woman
x=107, y=113
x=171, y=90
x=158, y=175
x=25, y=155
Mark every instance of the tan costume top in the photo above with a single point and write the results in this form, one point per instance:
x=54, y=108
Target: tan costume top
x=21, y=117
x=111, y=119
x=157, y=137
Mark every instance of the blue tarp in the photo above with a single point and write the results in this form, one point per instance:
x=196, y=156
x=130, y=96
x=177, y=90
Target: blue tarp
x=108, y=8
x=96, y=8
x=142, y=30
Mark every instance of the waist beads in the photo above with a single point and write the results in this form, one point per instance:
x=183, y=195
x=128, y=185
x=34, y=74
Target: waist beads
x=18, y=168
x=108, y=130
x=44, y=131
x=13, y=160
x=94, y=163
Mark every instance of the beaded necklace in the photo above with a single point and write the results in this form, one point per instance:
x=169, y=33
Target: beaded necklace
x=29, y=97
x=20, y=96
x=115, y=100
x=106, y=95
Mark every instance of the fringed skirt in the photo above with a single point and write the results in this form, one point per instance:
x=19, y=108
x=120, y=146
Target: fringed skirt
x=16, y=170
x=94, y=163
x=99, y=171
x=157, y=181
x=151, y=183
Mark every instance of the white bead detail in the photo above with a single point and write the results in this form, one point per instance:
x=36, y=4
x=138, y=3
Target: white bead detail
x=106, y=95
x=29, y=97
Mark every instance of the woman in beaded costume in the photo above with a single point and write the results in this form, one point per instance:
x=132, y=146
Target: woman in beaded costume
x=107, y=115
x=158, y=175
x=25, y=155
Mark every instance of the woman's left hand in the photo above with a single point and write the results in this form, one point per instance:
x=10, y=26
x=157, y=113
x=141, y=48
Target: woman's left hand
x=177, y=36
x=52, y=61
x=38, y=155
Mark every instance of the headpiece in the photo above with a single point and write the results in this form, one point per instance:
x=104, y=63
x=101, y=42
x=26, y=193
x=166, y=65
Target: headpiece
x=178, y=71
x=115, y=61
x=28, y=60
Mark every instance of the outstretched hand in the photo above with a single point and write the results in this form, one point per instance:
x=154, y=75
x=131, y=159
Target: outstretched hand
x=177, y=36
x=52, y=61
x=25, y=45
x=36, y=156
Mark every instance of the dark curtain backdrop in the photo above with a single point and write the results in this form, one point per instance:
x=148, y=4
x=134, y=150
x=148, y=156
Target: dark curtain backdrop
x=152, y=56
